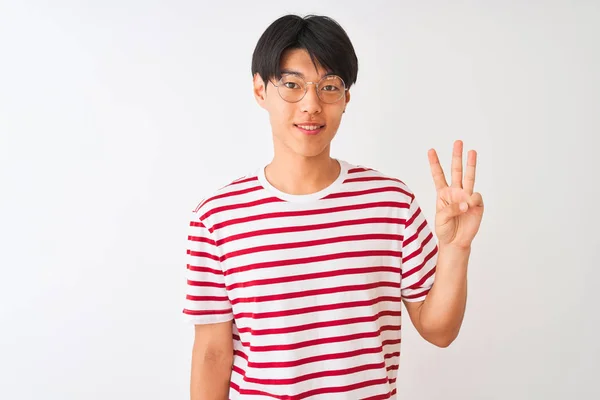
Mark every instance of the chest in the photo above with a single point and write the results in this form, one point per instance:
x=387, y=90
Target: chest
x=312, y=264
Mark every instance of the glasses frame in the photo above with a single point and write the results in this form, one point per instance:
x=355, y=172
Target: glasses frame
x=280, y=82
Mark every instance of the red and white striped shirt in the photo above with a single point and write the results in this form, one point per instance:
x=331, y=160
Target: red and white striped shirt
x=313, y=283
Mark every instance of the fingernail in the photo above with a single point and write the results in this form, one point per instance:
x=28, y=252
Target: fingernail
x=463, y=206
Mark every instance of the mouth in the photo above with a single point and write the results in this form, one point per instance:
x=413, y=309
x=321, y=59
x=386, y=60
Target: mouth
x=310, y=129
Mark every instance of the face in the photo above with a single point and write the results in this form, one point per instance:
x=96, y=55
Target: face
x=288, y=120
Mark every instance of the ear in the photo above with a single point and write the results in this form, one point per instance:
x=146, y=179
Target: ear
x=347, y=100
x=260, y=90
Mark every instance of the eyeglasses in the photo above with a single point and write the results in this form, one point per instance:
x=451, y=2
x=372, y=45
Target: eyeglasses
x=292, y=88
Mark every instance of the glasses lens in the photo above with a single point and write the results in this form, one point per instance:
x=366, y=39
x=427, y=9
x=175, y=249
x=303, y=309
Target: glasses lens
x=291, y=88
x=331, y=89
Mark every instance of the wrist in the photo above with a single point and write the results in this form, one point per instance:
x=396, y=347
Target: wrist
x=452, y=248
x=453, y=256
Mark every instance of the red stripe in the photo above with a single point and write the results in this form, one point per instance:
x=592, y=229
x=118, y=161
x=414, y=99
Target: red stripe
x=317, y=325
x=310, y=243
x=320, y=341
x=360, y=169
x=197, y=224
x=240, y=354
x=417, y=295
x=343, y=195
x=391, y=342
x=206, y=312
x=201, y=239
x=304, y=228
x=308, y=360
x=379, y=397
x=316, y=275
x=316, y=292
x=301, y=213
x=206, y=298
x=344, y=389
x=231, y=194
x=314, y=392
x=372, y=179
x=230, y=207
x=313, y=259
x=204, y=269
x=206, y=284
x=203, y=254
x=327, y=307
x=242, y=180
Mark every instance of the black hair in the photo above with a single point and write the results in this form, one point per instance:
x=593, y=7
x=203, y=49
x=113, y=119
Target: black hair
x=322, y=37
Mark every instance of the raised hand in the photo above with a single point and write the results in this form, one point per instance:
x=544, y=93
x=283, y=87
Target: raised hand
x=458, y=210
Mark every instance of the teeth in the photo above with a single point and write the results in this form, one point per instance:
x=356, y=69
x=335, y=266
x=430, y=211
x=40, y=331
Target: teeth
x=309, y=127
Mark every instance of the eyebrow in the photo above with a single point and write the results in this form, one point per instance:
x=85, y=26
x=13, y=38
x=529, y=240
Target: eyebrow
x=300, y=74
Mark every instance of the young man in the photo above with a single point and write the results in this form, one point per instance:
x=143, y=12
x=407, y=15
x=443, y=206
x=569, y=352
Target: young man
x=306, y=262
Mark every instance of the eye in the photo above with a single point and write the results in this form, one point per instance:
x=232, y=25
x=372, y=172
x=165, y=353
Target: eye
x=291, y=85
x=330, y=88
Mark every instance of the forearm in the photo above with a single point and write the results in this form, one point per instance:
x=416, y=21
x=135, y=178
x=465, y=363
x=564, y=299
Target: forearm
x=442, y=312
x=210, y=378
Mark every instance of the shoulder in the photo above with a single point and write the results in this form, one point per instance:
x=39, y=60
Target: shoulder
x=376, y=180
x=225, y=195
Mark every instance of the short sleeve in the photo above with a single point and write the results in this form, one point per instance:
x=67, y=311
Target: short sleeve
x=206, y=300
x=419, y=255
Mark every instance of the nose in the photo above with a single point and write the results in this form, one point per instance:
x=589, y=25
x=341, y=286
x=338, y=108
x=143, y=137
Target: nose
x=311, y=102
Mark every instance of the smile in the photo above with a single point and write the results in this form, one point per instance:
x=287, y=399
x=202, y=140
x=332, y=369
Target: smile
x=309, y=129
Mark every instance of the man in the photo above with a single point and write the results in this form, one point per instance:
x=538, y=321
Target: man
x=306, y=262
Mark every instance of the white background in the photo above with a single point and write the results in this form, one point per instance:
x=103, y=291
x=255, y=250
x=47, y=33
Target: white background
x=117, y=117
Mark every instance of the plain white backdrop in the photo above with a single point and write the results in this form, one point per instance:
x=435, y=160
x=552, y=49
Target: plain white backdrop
x=117, y=117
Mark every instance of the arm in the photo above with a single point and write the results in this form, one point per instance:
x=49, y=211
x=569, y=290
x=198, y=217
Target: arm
x=439, y=317
x=212, y=358
x=207, y=306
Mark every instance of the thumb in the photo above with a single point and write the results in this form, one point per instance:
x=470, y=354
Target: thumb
x=453, y=210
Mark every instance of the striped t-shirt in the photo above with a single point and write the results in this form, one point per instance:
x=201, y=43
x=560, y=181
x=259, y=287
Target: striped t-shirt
x=313, y=283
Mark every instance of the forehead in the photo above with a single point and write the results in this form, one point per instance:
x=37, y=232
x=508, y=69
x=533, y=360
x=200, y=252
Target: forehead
x=298, y=60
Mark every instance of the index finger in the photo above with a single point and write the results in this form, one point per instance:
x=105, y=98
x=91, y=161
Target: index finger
x=439, y=179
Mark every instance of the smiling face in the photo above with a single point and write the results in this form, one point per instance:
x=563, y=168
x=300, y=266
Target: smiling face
x=293, y=124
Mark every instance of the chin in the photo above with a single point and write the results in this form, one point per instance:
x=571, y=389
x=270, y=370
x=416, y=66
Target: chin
x=308, y=151
x=305, y=146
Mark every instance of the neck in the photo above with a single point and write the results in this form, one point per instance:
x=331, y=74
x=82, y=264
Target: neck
x=299, y=175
